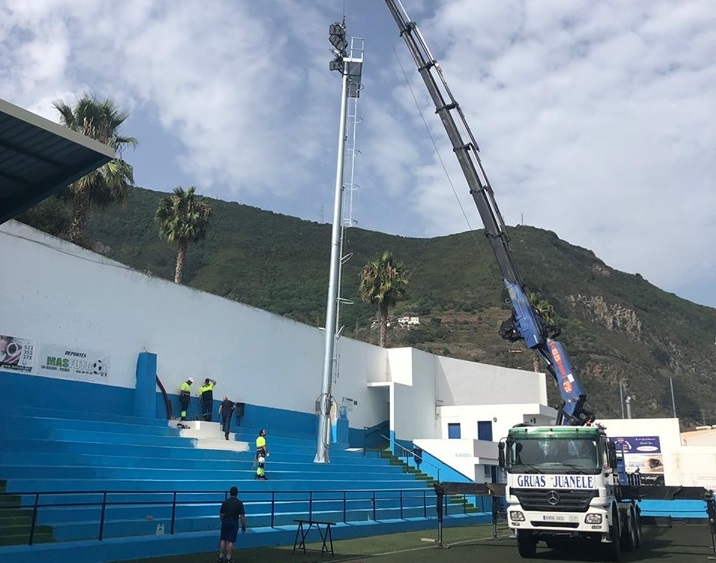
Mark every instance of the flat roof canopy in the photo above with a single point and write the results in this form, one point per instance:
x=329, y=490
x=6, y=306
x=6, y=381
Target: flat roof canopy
x=39, y=158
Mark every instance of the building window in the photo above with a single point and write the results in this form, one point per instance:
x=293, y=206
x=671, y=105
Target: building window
x=487, y=470
x=453, y=430
x=484, y=430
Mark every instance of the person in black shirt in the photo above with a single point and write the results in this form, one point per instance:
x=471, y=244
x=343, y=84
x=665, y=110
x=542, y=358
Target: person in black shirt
x=417, y=456
x=226, y=409
x=231, y=511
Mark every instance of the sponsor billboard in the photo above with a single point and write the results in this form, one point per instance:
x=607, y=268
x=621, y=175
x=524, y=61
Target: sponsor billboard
x=25, y=355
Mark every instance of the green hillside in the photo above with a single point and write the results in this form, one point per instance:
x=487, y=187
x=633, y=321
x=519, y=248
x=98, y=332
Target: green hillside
x=614, y=325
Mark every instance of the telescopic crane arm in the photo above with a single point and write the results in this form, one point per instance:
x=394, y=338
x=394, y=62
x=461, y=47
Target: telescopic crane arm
x=526, y=323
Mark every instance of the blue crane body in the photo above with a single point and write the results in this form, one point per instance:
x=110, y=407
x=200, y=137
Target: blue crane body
x=526, y=323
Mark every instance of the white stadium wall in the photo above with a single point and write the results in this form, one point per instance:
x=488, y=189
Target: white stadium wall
x=502, y=417
x=62, y=297
x=414, y=393
x=70, y=297
x=686, y=465
x=496, y=385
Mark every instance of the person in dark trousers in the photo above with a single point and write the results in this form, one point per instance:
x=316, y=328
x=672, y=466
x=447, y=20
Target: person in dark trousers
x=206, y=392
x=226, y=410
x=261, y=455
x=184, y=398
x=231, y=512
x=417, y=456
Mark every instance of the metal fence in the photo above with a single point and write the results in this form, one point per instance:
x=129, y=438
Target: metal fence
x=104, y=500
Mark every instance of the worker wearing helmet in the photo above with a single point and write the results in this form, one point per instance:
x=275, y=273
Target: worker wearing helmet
x=261, y=455
x=184, y=397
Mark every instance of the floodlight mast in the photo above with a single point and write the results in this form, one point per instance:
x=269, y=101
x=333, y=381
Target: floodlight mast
x=350, y=68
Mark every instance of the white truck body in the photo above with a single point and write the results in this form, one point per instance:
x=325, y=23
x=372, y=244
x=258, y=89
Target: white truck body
x=562, y=485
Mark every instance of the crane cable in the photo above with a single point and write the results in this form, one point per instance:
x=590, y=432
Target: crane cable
x=442, y=162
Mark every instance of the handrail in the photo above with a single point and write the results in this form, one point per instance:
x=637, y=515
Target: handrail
x=274, y=498
x=167, y=402
x=410, y=454
x=369, y=431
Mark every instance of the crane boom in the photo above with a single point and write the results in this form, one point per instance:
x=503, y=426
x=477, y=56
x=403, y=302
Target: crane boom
x=526, y=323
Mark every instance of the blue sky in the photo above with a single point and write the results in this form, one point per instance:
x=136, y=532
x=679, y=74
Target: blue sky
x=596, y=120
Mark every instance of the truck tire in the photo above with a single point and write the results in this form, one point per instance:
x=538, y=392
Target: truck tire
x=628, y=539
x=526, y=544
x=613, y=549
x=637, y=525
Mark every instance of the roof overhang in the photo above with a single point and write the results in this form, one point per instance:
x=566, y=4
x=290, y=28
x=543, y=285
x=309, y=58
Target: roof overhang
x=39, y=158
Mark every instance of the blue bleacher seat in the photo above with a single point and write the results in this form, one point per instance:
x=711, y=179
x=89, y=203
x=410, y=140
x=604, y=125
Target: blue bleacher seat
x=141, y=466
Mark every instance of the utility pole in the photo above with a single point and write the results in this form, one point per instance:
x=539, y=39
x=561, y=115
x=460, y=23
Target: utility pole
x=673, y=401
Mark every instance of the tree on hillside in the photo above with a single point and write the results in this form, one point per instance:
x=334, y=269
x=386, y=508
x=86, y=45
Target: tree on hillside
x=183, y=218
x=51, y=216
x=99, y=120
x=382, y=284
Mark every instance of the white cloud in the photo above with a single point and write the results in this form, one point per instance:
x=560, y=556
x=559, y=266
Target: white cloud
x=595, y=120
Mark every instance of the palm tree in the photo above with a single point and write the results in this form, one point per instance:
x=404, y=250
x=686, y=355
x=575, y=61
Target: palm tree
x=99, y=120
x=546, y=312
x=382, y=283
x=183, y=218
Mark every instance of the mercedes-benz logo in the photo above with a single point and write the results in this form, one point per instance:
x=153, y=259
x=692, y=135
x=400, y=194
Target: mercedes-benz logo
x=553, y=498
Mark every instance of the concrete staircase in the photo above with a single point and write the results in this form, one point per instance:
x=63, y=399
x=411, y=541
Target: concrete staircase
x=458, y=502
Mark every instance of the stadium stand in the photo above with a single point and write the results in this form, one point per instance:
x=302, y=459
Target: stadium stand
x=84, y=486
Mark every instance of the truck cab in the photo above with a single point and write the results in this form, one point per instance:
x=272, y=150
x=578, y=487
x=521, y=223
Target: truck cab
x=562, y=485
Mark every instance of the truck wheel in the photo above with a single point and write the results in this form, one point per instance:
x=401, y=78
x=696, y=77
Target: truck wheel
x=628, y=539
x=637, y=526
x=526, y=544
x=613, y=549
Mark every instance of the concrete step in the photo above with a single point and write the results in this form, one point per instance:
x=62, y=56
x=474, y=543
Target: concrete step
x=25, y=424
x=178, y=471
x=244, y=480
x=90, y=416
x=190, y=462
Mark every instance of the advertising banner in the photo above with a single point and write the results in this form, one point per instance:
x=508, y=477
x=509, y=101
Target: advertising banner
x=16, y=354
x=642, y=455
x=72, y=363
x=22, y=354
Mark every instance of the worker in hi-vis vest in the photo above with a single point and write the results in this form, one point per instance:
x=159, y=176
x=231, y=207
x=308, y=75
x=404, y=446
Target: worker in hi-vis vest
x=206, y=392
x=261, y=455
x=184, y=397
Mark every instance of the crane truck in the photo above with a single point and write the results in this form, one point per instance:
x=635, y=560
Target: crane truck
x=562, y=480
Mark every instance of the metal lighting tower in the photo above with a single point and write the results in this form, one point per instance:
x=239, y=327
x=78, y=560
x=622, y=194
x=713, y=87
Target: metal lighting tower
x=350, y=66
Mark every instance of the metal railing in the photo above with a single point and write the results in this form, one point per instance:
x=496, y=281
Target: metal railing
x=275, y=499
x=371, y=430
x=409, y=454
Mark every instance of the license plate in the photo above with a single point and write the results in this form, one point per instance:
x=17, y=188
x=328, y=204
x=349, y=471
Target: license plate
x=559, y=518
